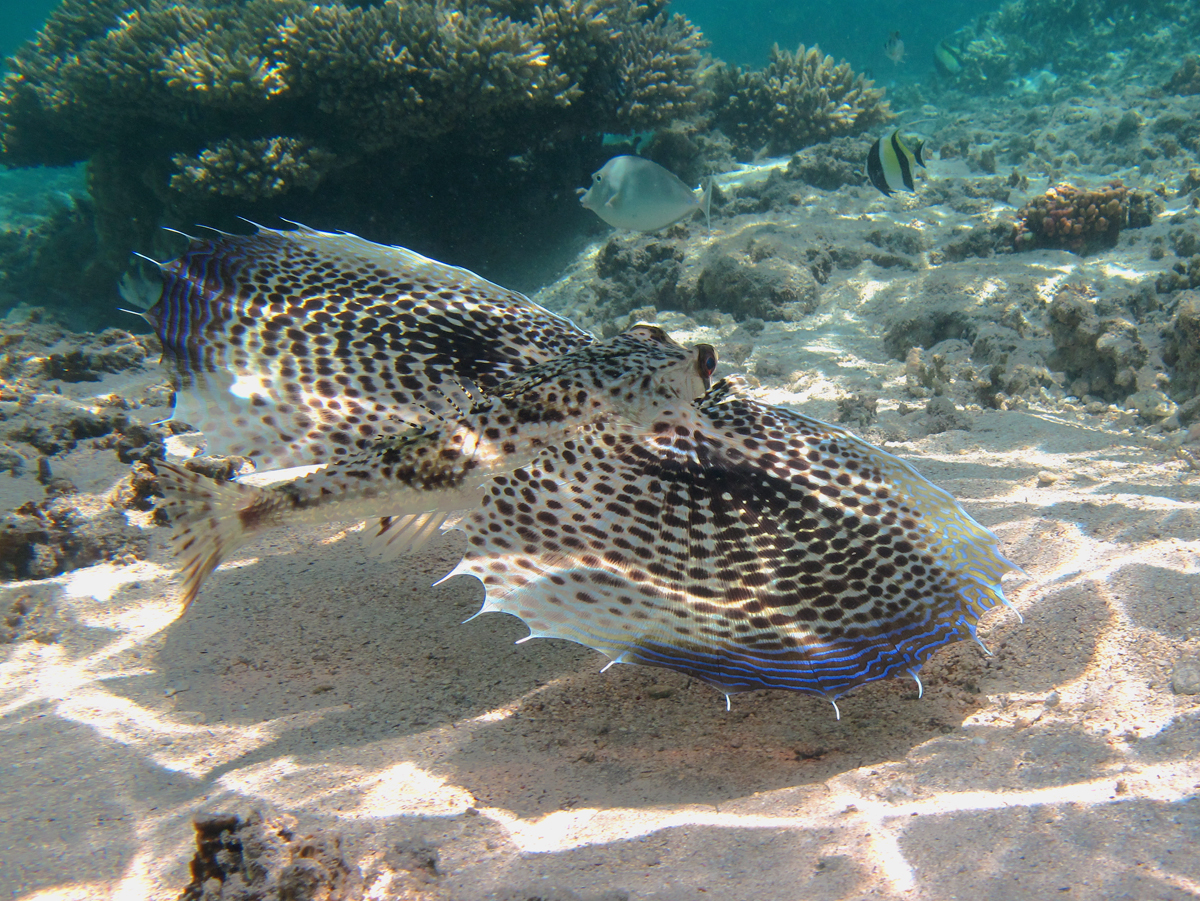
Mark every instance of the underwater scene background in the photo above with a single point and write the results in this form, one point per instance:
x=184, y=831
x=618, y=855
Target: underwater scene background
x=968, y=233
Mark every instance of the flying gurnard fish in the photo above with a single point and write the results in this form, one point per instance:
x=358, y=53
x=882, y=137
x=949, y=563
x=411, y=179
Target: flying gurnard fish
x=612, y=493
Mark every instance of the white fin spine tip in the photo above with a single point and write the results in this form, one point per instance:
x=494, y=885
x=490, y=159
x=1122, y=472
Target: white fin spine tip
x=837, y=713
x=916, y=678
x=446, y=578
x=1009, y=605
x=217, y=231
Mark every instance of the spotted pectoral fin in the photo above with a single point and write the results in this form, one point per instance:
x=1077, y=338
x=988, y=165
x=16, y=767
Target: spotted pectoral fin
x=303, y=346
x=396, y=536
x=748, y=546
x=208, y=521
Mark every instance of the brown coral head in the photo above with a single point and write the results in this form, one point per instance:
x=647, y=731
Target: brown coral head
x=1072, y=218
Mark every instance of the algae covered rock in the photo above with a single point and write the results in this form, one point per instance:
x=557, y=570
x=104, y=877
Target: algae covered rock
x=1181, y=348
x=770, y=288
x=1101, y=355
x=260, y=858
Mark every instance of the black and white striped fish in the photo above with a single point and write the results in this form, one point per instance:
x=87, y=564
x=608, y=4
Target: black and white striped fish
x=890, y=163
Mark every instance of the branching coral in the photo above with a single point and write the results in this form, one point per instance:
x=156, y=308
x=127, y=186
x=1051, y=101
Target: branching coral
x=253, y=169
x=1072, y=218
x=372, y=75
x=799, y=99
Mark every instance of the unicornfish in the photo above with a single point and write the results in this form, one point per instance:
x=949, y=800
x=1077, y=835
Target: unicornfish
x=639, y=194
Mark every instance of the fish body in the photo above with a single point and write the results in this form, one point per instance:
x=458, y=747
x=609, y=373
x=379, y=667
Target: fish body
x=890, y=163
x=894, y=48
x=947, y=60
x=438, y=468
x=612, y=494
x=639, y=194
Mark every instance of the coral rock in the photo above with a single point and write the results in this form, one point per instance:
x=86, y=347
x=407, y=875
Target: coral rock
x=1186, y=79
x=1070, y=218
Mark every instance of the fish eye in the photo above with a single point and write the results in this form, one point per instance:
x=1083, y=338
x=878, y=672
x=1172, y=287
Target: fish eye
x=706, y=361
x=597, y=178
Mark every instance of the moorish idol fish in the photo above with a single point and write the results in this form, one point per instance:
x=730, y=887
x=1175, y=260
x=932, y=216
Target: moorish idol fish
x=890, y=163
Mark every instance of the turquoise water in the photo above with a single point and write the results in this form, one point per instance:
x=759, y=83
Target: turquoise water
x=19, y=21
x=743, y=32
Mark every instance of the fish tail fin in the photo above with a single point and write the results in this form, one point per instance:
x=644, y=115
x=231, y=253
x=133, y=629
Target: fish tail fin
x=207, y=520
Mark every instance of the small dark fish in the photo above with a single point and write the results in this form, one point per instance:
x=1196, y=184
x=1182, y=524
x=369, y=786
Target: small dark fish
x=894, y=48
x=890, y=163
x=947, y=60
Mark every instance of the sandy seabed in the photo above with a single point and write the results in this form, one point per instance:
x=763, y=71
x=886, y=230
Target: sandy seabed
x=313, y=680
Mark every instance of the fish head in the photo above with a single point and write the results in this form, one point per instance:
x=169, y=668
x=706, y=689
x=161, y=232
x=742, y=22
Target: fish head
x=659, y=372
x=605, y=184
x=633, y=376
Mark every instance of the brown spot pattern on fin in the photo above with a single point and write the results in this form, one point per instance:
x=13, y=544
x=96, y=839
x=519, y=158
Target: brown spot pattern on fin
x=746, y=545
x=294, y=347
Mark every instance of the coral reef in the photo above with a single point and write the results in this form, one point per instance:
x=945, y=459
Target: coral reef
x=191, y=111
x=1181, y=276
x=832, y=164
x=66, y=441
x=261, y=859
x=44, y=539
x=42, y=259
x=798, y=100
x=1070, y=218
x=757, y=282
x=1024, y=42
x=1186, y=79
